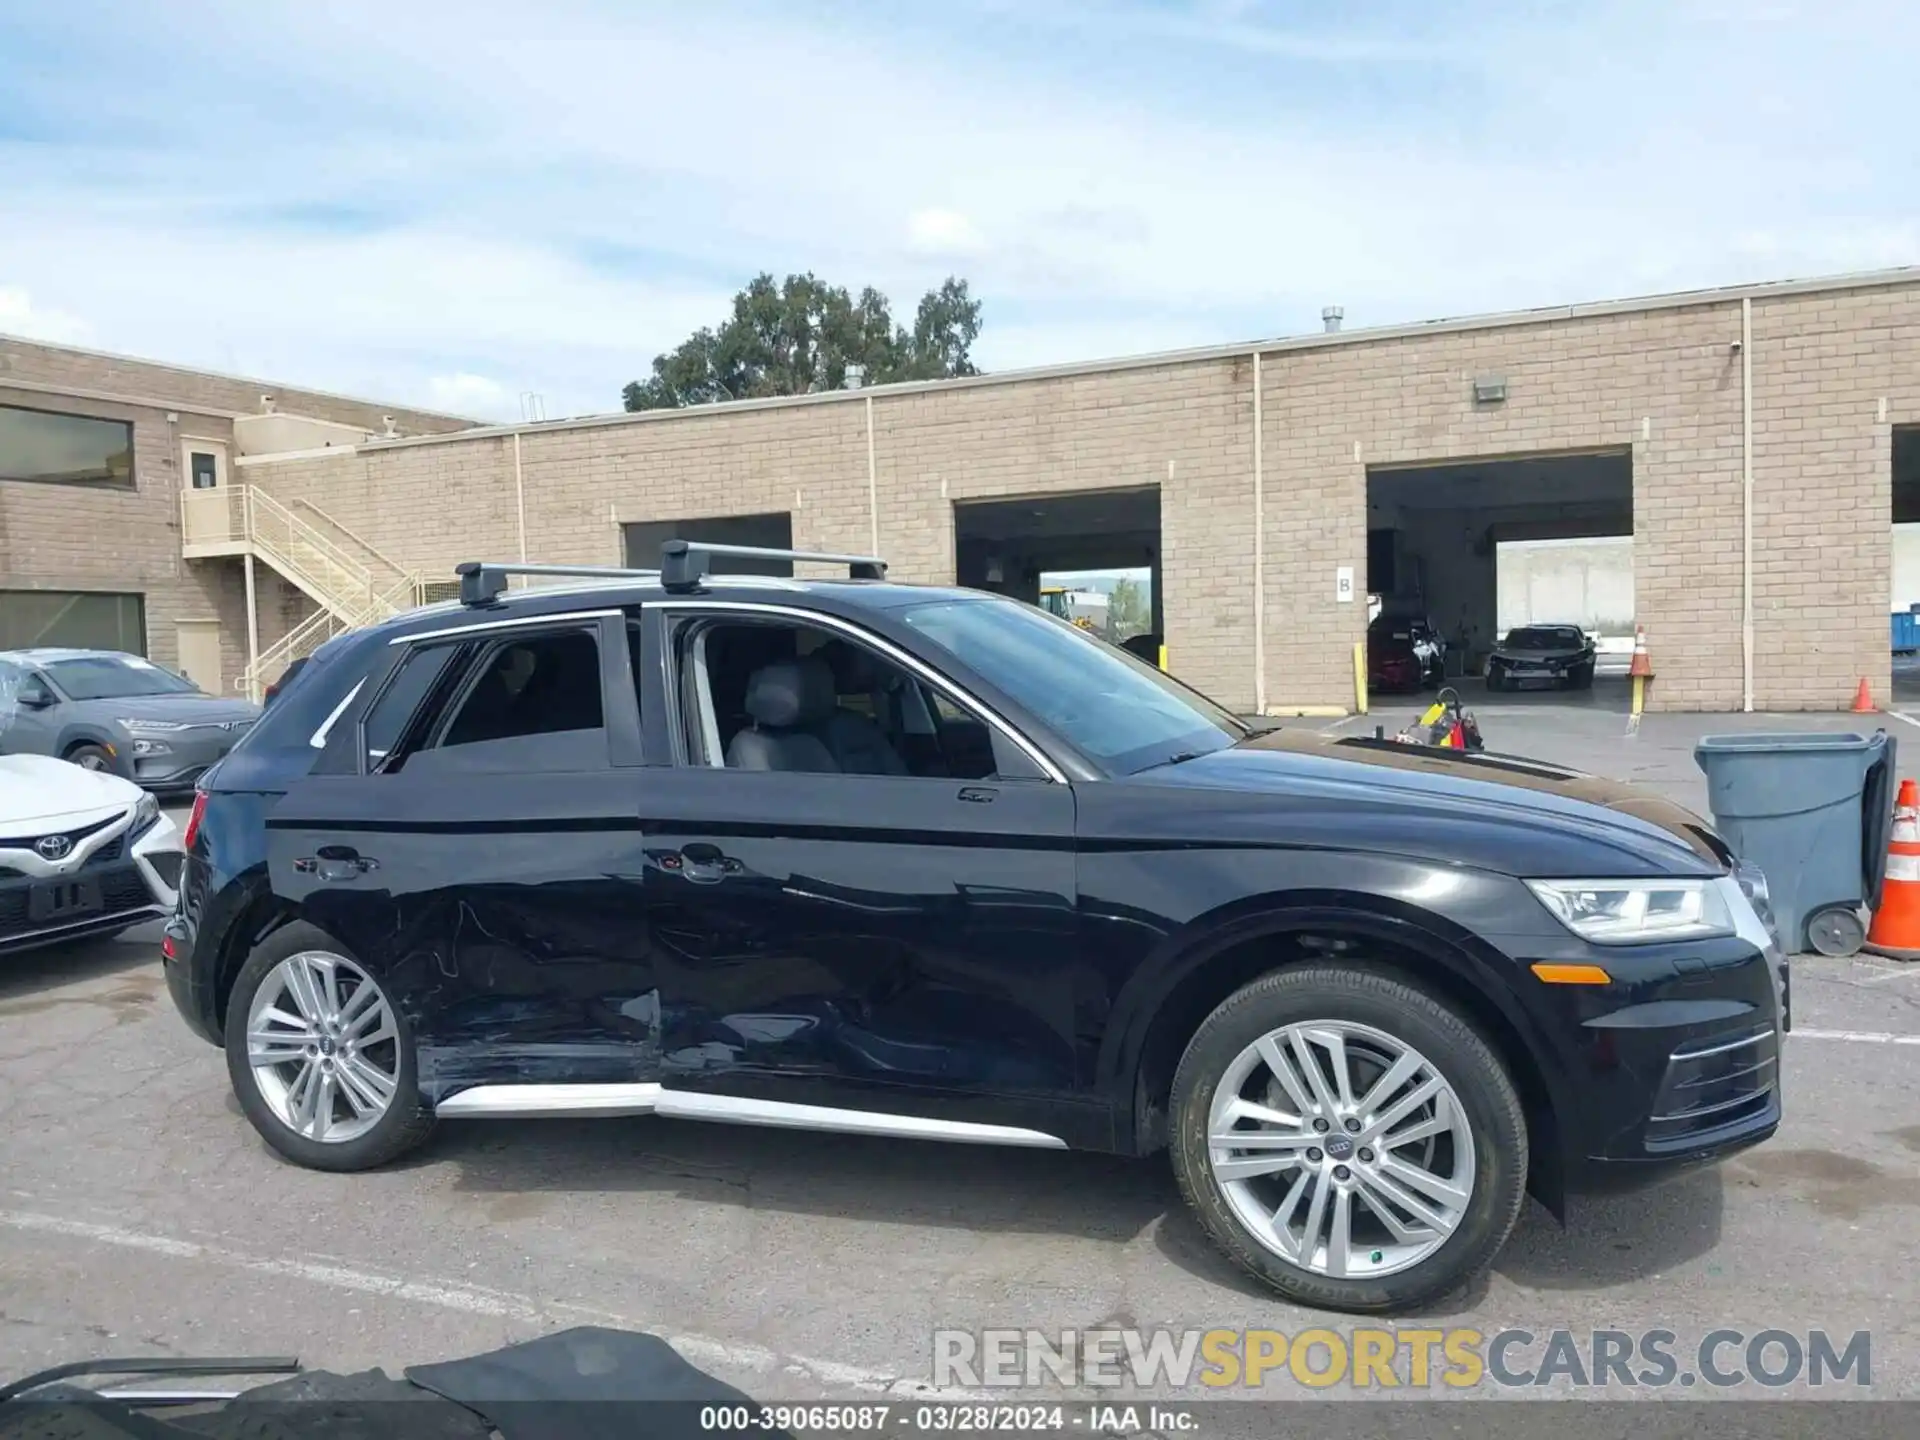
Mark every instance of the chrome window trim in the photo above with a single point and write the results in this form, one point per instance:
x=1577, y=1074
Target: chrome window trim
x=318, y=740
x=556, y=618
x=887, y=648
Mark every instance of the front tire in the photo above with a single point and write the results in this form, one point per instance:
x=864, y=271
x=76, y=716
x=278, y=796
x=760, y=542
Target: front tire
x=91, y=757
x=321, y=1058
x=1285, y=1165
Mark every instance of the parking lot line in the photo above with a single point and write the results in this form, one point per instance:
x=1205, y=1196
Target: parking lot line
x=1901, y=715
x=1858, y=1037
x=497, y=1304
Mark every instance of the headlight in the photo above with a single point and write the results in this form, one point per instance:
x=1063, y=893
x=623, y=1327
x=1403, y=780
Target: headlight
x=134, y=725
x=145, y=811
x=1637, y=912
x=152, y=747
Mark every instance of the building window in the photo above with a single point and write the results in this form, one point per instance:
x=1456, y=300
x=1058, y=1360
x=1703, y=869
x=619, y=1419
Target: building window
x=57, y=449
x=206, y=470
x=83, y=620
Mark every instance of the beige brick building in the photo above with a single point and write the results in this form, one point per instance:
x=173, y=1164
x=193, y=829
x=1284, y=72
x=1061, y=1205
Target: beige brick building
x=1748, y=440
x=92, y=554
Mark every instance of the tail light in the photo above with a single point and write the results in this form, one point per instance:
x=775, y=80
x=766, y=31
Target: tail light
x=194, y=817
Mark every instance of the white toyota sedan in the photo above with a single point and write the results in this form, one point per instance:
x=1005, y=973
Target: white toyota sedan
x=82, y=853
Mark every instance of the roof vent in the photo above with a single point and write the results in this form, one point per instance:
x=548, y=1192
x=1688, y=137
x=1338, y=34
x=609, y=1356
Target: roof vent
x=1331, y=317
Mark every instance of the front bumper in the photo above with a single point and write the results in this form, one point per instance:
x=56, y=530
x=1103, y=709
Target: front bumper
x=1674, y=1072
x=1396, y=675
x=1676, y=1062
x=176, y=759
x=1534, y=672
x=115, y=877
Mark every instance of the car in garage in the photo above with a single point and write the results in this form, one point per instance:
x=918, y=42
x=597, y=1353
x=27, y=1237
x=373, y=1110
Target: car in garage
x=82, y=853
x=118, y=714
x=1404, y=652
x=926, y=863
x=1560, y=656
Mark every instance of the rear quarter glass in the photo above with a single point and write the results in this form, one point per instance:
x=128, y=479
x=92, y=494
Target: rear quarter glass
x=275, y=752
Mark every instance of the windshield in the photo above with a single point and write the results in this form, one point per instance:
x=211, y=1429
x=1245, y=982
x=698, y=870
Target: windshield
x=1544, y=637
x=112, y=677
x=1110, y=706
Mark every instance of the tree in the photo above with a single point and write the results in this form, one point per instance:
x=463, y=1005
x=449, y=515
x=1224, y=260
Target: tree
x=1128, y=613
x=804, y=335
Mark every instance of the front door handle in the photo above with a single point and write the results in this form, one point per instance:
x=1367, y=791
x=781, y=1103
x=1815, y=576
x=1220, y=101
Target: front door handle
x=978, y=794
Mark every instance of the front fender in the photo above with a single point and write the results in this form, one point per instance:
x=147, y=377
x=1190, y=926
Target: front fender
x=1181, y=953
x=92, y=732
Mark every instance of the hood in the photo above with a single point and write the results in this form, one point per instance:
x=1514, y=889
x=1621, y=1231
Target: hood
x=35, y=788
x=180, y=709
x=1577, y=820
x=1544, y=649
x=1554, y=652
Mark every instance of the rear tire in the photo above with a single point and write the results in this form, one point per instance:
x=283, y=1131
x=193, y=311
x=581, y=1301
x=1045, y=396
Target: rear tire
x=387, y=1069
x=1476, y=1134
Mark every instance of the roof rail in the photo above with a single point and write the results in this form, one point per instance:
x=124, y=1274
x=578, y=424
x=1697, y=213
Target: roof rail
x=484, y=581
x=683, y=562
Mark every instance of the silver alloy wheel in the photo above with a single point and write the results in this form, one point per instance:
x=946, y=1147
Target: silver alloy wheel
x=1341, y=1149
x=92, y=762
x=323, y=1047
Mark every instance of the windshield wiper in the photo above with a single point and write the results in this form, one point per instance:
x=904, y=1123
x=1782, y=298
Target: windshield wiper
x=1179, y=757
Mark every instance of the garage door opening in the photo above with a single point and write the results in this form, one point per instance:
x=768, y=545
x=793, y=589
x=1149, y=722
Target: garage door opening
x=770, y=531
x=1092, y=556
x=1904, y=603
x=1462, y=556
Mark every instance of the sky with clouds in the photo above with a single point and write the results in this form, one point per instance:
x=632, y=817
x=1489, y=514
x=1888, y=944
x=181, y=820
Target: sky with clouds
x=451, y=204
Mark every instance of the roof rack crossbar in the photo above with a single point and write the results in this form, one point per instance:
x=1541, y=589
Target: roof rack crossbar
x=683, y=562
x=484, y=581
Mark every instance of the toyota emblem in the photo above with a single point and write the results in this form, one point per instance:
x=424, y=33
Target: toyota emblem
x=52, y=847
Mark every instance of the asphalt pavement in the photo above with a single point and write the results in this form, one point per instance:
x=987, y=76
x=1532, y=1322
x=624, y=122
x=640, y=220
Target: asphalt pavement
x=139, y=1213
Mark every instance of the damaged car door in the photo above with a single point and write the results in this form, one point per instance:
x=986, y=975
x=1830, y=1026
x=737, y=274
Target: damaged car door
x=470, y=833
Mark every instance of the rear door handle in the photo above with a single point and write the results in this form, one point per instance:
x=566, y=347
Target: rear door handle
x=335, y=862
x=978, y=794
x=704, y=863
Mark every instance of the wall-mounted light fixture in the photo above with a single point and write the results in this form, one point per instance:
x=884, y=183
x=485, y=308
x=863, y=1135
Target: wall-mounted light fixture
x=1489, y=389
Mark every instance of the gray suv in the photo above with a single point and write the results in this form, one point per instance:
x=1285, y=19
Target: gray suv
x=107, y=710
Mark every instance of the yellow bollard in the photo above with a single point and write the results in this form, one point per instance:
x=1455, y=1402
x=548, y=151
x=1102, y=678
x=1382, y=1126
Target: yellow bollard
x=1163, y=657
x=1360, y=677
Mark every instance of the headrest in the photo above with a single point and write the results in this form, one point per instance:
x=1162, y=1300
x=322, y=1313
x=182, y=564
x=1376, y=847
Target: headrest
x=790, y=692
x=854, y=667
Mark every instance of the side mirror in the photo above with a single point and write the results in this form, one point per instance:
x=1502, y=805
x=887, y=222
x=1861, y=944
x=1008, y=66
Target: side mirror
x=33, y=699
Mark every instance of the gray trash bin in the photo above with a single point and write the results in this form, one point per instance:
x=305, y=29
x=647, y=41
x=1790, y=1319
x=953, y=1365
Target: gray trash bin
x=1813, y=811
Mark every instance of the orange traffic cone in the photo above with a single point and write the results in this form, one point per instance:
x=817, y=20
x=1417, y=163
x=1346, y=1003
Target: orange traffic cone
x=1896, y=924
x=1642, y=666
x=1863, y=698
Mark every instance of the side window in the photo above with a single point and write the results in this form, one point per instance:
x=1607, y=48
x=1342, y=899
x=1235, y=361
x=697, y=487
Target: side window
x=387, y=719
x=801, y=698
x=531, y=702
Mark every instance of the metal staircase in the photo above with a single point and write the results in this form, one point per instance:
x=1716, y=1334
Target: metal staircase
x=350, y=581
